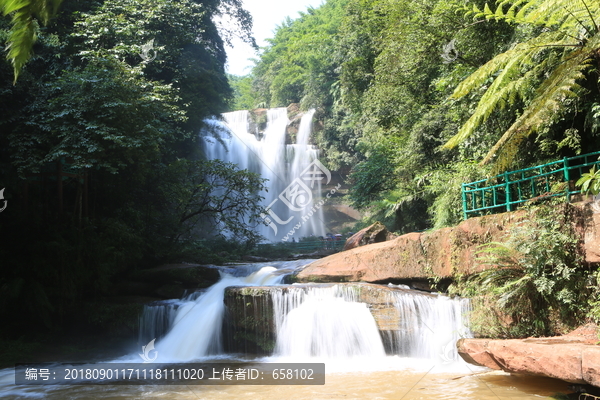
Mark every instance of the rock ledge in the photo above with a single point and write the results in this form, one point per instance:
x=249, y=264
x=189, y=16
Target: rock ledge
x=573, y=358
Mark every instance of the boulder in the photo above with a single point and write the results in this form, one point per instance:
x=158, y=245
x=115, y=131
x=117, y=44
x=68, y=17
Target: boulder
x=372, y=234
x=573, y=358
x=441, y=254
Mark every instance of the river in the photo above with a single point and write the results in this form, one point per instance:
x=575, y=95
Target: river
x=320, y=325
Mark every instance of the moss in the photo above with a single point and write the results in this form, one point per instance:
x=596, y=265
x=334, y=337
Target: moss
x=266, y=344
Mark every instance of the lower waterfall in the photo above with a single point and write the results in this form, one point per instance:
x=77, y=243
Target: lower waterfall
x=324, y=321
x=196, y=328
x=329, y=327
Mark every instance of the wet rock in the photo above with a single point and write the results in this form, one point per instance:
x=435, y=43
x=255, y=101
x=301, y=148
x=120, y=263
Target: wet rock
x=249, y=325
x=255, y=258
x=125, y=288
x=170, y=291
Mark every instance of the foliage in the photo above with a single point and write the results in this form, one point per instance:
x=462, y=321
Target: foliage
x=535, y=284
x=135, y=191
x=298, y=64
x=243, y=98
x=217, y=195
x=189, y=53
x=446, y=189
x=23, y=33
x=371, y=179
x=543, y=73
x=394, y=80
x=127, y=119
x=590, y=182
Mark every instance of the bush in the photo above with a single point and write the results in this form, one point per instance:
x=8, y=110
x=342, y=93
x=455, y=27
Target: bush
x=537, y=284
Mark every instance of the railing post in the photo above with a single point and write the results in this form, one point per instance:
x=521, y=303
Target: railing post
x=507, y=190
x=566, y=172
x=464, y=200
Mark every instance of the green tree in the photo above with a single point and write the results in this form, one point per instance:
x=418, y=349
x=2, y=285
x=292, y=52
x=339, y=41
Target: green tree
x=125, y=121
x=545, y=72
x=243, y=96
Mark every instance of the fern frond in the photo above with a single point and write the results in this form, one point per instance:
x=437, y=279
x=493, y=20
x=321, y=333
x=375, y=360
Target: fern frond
x=515, y=72
x=509, y=85
x=545, y=107
x=562, y=14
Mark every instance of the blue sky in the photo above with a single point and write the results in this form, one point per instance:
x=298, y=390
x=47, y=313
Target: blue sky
x=267, y=14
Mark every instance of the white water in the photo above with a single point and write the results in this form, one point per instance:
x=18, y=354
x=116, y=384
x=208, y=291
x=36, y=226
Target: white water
x=329, y=327
x=287, y=167
x=430, y=325
x=316, y=321
x=330, y=322
x=331, y=312
x=196, y=329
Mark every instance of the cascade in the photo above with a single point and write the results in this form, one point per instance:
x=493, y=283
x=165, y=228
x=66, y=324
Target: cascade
x=329, y=321
x=429, y=325
x=311, y=320
x=156, y=319
x=196, y=328
x=324, y=322
x=293, y=172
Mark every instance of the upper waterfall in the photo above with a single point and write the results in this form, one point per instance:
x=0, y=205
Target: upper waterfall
x=292, y=206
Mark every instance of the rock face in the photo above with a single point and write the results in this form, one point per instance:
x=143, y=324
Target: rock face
x=573, y=358
x=591, y=231
x=419, y=255
x=373, y=234
x=442, y=253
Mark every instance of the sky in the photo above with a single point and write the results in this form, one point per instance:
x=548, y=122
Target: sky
x=266, y=15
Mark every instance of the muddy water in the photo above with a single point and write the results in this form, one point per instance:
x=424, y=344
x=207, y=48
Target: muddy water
x=423, y=382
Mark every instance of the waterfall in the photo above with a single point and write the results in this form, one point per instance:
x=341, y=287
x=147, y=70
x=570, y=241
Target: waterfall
x=156, y=319
x=429, y=325
x=293, y=171
x=319, y=323
x=330, y=322
x=196, y=328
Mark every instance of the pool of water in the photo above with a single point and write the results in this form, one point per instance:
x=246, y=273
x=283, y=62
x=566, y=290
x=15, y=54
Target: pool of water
x=389, y=377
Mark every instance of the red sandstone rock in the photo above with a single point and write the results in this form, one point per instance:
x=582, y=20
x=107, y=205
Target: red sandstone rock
x=372, y=234
x=474, y=351
x=571, y=358
x=590, y=365
x=441, y=253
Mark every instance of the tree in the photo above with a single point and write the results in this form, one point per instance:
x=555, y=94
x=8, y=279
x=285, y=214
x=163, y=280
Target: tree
x=214, y=195
x=103, y=116
x=544, y=72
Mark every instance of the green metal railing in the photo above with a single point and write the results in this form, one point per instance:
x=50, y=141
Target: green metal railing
x=505, y=192
x=310, y=246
